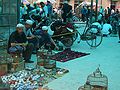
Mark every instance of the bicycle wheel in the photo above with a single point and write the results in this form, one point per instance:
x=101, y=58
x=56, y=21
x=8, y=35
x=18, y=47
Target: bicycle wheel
x=93, y=37
x=75, y=36
x=75, y=18
x=67, y=41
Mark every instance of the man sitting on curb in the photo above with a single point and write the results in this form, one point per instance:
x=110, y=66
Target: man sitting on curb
x=31, y=38
x=107, y=29
x=18, y=43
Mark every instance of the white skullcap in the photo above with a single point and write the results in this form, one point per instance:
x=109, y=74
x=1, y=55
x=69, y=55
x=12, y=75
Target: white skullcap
x=30, y=22
x=20, y=25
x=45, y=28
x=65, y=1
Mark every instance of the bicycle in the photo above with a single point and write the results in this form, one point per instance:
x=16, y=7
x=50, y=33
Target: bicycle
x=93, y=38
x=92, y=35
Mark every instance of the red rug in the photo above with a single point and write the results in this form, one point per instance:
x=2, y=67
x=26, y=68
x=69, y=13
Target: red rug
x=68, y=55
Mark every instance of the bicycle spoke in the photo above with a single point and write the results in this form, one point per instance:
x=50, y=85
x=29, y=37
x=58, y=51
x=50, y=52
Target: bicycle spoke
x=95, y=38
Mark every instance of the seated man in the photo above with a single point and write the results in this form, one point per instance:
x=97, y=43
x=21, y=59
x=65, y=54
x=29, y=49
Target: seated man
x=45, y=37
x=18, y=43
x=95, y=27
x=106, y=30
x=31, y=38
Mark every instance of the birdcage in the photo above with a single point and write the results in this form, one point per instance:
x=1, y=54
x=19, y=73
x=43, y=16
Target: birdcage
x=48, y=62
x=17, y=57
x=98, y=81
x=85, y=87
x=41, y=56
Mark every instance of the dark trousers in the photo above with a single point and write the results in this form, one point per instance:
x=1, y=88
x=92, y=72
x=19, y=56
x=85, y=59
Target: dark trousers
x=83, y=17
x=64, y=17
x=35, y=42
x=28, y=52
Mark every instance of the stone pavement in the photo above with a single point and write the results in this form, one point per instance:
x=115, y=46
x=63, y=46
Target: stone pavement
x=107, y=55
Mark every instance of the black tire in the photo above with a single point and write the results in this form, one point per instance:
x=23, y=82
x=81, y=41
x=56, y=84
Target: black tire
x=93, y=39
x=75, y=37
x=67, y=41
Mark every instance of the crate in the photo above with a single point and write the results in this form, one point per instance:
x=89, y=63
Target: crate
x=15, y=67
x=3, y=69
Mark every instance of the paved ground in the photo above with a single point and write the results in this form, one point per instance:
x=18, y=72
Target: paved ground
x=107, y=55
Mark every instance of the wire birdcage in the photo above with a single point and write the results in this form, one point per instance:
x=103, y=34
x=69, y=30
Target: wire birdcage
x=41, y=56
x=49, y=63
x=85, y=87
x=17, y=58
x=97, y=80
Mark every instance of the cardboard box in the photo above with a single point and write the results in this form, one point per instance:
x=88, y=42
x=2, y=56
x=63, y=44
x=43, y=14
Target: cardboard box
x=3, y=69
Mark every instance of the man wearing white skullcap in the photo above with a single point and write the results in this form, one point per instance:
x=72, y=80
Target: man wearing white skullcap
x=45, y=28
x=20, y=26
x=46, y=38
x=28, y=27
x=31, y=38
x=18, y=43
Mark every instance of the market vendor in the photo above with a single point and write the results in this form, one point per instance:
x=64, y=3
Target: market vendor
x=45, y=38
x=18, y=44
x=31, y=38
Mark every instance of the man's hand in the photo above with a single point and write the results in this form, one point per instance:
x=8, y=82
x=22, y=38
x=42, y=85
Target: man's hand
x=39, y=36
x=24, y=44
x=21, y=44
x=33, y=36
x=13, y=44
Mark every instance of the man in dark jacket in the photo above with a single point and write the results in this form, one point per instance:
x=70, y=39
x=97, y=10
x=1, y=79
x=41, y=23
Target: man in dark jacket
x=18, y=44
x=67, y=11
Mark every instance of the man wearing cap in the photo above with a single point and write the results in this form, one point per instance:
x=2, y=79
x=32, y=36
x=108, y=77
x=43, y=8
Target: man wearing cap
x=67, y=11
x=18, y=43
x=45, y=37
x=31, y=38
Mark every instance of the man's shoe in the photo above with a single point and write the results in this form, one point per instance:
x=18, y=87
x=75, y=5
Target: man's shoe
x=29, y=61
